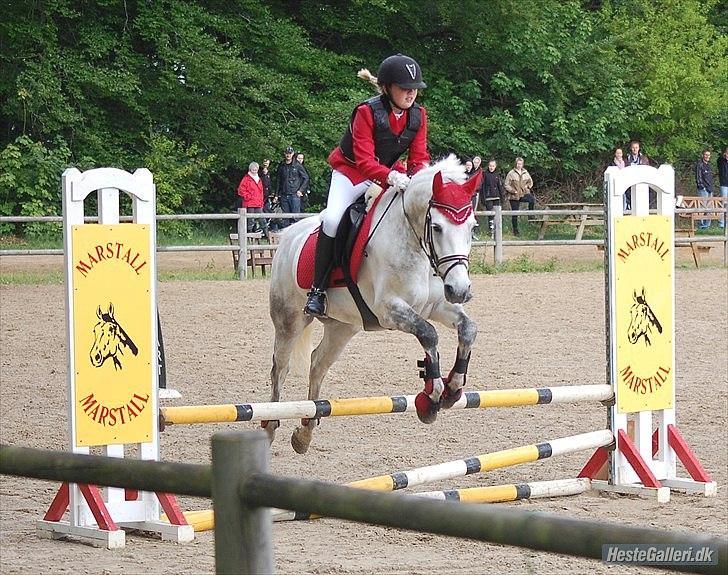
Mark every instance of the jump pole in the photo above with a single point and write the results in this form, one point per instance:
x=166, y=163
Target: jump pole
x=443, y=471
x=192, y=414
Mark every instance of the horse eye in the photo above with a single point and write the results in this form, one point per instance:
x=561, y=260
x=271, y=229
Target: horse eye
x=437, y=228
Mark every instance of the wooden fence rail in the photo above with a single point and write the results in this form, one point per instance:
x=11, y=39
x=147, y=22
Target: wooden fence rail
x=243, y=491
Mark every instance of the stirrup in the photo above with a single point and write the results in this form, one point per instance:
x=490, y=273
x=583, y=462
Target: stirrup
x=316, y=303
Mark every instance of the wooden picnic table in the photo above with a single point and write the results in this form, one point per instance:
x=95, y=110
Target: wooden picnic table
x=579, y=220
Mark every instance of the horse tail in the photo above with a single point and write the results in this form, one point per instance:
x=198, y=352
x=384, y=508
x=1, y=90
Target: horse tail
x=301, y=353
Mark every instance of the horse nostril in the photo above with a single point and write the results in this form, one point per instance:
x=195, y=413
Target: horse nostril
x=448, y=290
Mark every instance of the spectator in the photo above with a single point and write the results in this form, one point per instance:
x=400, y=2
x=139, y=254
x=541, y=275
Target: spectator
x=468, y=168
x=618, y=159
x=300, y=158
x=704, y=182
x=268, y=195
x=634, y=158
x=250, y=191
x=491, y=190
x=368, y=153
x=477, y=161
x=723, y=182
x=291, y=180
x=476, y=167
x=518, y=186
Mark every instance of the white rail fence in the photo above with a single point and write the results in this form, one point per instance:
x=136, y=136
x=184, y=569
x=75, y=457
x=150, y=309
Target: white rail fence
x=245, y=248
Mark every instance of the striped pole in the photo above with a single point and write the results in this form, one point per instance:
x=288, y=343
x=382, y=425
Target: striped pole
x=311, y=409
x=443, y=471
x=513, y=492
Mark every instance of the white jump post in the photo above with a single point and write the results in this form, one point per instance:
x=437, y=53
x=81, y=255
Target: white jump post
x=640, y=264
x=111, y=319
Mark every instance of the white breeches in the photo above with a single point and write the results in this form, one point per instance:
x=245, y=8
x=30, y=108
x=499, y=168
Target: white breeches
x=342, y=194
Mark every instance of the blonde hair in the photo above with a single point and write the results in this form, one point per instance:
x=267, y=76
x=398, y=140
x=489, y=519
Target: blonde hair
x=365, y=74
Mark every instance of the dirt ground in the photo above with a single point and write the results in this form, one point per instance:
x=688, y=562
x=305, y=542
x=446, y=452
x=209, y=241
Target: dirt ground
x=535, y=330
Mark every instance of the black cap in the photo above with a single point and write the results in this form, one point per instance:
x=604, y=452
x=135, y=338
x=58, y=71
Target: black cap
x=289, y=150
x=401, y=70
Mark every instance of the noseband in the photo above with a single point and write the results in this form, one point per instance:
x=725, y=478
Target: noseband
x=427, y=244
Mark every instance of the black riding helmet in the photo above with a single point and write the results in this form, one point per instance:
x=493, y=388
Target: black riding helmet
x=401, y=70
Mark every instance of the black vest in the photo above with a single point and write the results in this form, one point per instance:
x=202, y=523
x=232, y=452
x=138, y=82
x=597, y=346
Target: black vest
x=388, y=146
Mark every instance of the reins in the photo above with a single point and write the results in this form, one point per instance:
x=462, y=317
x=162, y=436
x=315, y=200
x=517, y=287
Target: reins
x=427, y=244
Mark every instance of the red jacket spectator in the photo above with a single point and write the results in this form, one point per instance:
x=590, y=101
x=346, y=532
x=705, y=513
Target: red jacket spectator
x=251, y=191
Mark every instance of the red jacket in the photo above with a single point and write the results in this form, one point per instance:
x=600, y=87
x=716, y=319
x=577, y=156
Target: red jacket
x=367, y=167
x=251, y=192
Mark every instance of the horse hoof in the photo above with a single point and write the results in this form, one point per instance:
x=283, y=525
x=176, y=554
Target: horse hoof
x=299, y=445
x=426, y=409
x=450, y=398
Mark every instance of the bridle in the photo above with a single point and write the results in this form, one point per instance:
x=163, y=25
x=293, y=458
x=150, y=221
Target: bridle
x=427, y=244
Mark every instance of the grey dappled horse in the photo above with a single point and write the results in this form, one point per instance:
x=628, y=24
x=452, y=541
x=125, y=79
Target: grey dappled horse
x=416, y=270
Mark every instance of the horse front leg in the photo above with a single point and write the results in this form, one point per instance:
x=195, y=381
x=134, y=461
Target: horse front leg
x=406, y=319
x=454, y=316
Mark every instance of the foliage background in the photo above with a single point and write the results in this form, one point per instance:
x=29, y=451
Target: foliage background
x=195, y=90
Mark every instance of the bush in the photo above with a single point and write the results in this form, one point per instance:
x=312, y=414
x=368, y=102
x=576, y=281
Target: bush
x=30, y=176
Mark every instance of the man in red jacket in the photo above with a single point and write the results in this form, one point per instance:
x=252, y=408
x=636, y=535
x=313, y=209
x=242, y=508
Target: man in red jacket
x=380, y=131
x=250, y=191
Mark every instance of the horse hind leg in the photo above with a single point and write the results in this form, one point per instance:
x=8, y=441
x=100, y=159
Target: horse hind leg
x=291, y=331
x=336, y=336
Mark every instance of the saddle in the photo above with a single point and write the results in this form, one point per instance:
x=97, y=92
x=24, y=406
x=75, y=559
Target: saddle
x=350, y=244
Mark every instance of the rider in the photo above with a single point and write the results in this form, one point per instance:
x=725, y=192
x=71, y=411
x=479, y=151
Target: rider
x=380, y=131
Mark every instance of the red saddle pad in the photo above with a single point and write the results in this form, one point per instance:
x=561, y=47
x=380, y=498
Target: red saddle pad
x=304, y=269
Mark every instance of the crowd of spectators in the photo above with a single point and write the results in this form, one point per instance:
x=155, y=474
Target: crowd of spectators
x=286, y=191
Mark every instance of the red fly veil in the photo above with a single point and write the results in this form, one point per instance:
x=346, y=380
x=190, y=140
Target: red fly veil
x=453, y=199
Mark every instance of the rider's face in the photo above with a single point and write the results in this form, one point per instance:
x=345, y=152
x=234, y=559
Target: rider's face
x=402, y=98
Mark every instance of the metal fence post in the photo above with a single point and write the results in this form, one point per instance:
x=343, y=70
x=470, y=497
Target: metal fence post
x=242, y=243
x=243, y=542
x=498, y=229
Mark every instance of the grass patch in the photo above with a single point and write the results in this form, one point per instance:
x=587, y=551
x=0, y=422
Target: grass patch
x=32, y=278
x=525, y=264
x=208, y=274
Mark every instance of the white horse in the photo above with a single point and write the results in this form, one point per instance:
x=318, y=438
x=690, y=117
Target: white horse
x=416, y=269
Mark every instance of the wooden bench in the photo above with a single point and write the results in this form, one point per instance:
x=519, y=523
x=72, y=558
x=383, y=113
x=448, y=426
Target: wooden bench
x=685, y=223
x=257, y=258
x=579, y=221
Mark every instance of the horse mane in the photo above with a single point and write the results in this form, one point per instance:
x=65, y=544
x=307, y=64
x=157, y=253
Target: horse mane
x=450, y=167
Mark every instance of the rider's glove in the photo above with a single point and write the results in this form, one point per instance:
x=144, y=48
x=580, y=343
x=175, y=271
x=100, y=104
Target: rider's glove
x=397, y=180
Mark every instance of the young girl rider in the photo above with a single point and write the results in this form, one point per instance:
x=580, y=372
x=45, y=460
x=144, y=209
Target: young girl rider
x=380, y=131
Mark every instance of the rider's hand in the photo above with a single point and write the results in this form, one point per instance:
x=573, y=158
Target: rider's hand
x=397, y=180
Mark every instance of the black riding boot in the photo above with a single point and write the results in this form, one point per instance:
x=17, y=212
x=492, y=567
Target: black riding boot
x=316, y=303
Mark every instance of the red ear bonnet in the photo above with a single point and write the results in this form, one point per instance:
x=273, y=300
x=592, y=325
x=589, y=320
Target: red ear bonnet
x=453, y=199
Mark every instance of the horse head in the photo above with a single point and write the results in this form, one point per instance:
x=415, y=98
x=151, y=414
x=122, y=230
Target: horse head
x=642, y=319
x=439, y=199
x=109, y=336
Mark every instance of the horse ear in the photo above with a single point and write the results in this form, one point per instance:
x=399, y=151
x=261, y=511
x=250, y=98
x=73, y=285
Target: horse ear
x=472, y=184
x=111, y=310
x=437, y=184
x=634, y=295
x=98, y=312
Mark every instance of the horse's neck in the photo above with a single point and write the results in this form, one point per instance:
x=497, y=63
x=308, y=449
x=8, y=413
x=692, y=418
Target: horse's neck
x=400, y=225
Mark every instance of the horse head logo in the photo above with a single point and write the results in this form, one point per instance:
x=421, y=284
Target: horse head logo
x=642, y=319
x=109, y=339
